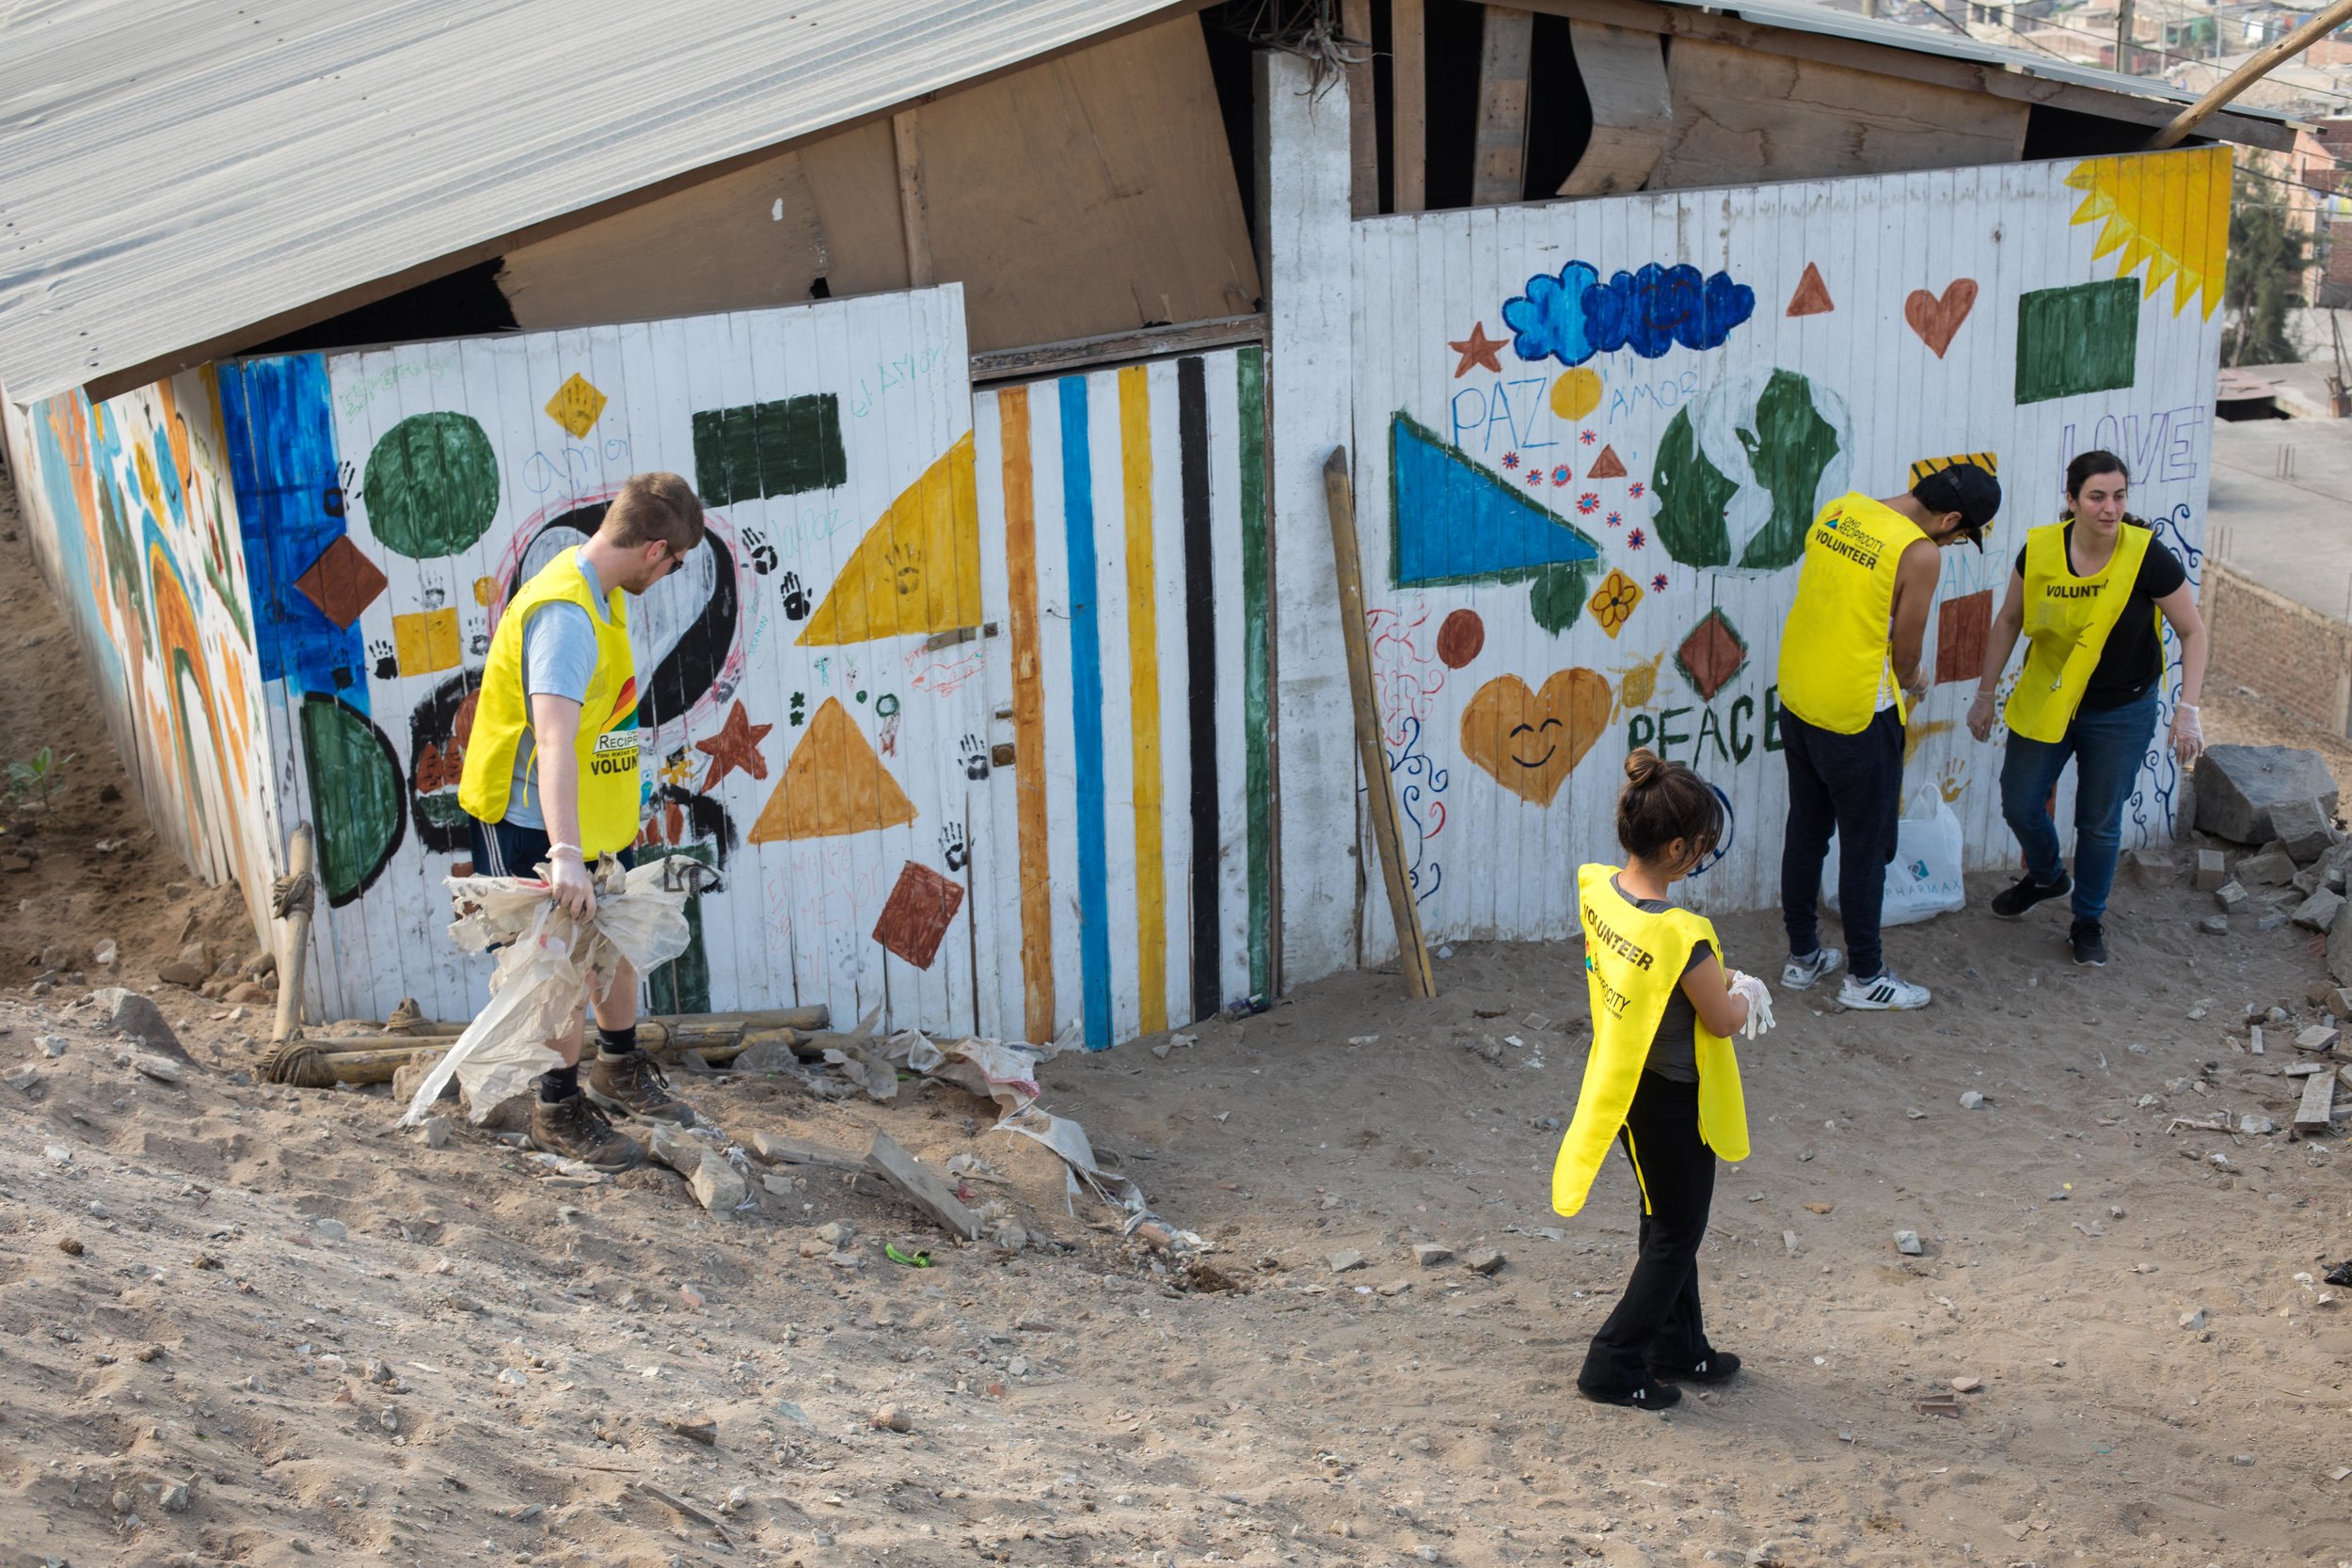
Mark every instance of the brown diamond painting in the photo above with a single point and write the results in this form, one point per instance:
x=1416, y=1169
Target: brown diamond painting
x=1710, y=656
x=576, y=404
x=342, y=582
x=1961, y=627
x=921, y=908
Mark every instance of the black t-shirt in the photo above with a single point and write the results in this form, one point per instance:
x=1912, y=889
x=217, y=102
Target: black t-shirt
x=2133, y=659
x=1674, y=1050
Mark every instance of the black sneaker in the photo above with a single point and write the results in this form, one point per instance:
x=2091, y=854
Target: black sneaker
x=2026, y=893
x=1716, y=1366
x=2090, y=944
x=1652, y=1395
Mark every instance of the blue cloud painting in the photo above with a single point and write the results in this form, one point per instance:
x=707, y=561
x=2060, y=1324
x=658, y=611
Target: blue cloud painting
x=1574, y=316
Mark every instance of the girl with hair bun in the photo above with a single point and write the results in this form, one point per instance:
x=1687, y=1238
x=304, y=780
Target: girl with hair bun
x=1661, y=1080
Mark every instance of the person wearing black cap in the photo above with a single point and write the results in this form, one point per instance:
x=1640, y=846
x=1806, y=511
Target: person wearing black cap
x=1848, y=656
x=2091, y=594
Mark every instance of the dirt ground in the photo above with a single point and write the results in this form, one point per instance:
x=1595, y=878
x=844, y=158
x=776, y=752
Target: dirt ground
x=253, y=1324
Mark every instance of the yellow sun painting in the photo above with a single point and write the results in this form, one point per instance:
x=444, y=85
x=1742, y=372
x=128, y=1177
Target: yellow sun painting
x=2169, y=210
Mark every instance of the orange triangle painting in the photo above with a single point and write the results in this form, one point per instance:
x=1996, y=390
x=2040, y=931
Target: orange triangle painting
x=1812, y=295
x=1607, y=465
x=833, y=785
x=918, y=568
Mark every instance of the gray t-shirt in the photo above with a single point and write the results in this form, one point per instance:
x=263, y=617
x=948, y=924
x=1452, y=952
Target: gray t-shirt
x=559, y=660
x=1674, y=1050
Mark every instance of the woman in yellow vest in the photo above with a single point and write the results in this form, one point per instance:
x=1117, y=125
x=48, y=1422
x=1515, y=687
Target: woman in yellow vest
x=2086, y=593
x=1660, y=1078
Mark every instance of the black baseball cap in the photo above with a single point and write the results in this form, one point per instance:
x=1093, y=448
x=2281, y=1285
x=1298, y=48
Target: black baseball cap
x=1966, y=489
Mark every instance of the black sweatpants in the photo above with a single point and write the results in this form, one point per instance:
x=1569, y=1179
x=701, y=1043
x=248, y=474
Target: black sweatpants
x=1851, y=784
x=1658, y=1323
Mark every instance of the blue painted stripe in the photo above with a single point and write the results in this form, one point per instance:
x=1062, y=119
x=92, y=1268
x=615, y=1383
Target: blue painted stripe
x=1086, y=712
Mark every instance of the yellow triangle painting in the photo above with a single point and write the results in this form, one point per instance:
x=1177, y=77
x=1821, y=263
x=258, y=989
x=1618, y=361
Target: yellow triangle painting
x=918, y=568
x=2169, y=210
x=833, y=785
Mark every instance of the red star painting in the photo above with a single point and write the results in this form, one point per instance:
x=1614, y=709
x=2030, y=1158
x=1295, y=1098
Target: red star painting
x=1477, y=349
x=735, y=745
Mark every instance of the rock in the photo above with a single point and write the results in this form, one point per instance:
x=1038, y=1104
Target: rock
x=191, y=967
x=1966, y=1384
x=1907, y=1243
x=1430, y=1254
x=106, y=954
x=2303, y=828
x=2256, y=1127
x=765, y=1056
x=160, y=1068
x=673, y=1147
x=1485, y=1260
x=2214, y=925
x=139, y=1017
x=2305, y=882
x=2266, y=869
x=409, y=1077
x=2318, y=913
x=2229, y=894
x=333, y=1229
x=890, y=1419
x=2238, y=787
x=248, y=991
x=387, y=1418
x=696, y=1429
x=2212, y=869
x=2272, y=921
x=2153, y=867
x=175, y=1497
x=2193, y=1320
x=1971, y=1099
x=2340, y=948
x=1345, y=1262
x=434, y=1133
x=509, y=1116
x=718, y=1186
x=52, y=1046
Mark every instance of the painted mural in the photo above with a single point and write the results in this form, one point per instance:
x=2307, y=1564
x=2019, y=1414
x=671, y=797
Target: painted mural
x=922, y=684
x=1605, y=426
x=134, y=523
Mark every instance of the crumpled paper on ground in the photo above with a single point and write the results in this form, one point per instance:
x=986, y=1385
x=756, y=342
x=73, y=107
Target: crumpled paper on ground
x=546, y=973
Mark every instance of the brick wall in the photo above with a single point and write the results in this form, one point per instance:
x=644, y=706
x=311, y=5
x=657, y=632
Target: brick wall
x=2291, y=657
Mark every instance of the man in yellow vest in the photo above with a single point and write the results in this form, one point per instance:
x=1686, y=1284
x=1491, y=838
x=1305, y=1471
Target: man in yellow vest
x=1848, y=656
x=551, y=780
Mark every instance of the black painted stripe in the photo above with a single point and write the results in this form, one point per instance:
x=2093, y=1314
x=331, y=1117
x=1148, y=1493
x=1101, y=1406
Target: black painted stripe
x=1192, y=428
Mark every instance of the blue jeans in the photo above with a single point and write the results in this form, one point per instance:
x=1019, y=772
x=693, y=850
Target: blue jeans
x=2109, y=748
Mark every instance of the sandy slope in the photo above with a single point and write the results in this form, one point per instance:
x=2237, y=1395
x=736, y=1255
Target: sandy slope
x=1072, y=1404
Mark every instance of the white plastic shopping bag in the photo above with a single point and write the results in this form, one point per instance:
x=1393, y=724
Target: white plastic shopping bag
x=1923, y=879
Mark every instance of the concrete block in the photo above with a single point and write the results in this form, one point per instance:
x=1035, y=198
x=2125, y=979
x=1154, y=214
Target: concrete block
x=2269, y=868
x=2230, y=895
x=2153, y=867
x=2239, y=786
x=2303, y=828
x=2340, y=948
x=2318, y=913
x=2212, y=869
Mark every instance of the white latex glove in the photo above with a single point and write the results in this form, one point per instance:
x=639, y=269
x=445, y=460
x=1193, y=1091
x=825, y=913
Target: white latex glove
x=1981, y=716
x=571, y=887
x=2188, y=735
x=1760, y=1002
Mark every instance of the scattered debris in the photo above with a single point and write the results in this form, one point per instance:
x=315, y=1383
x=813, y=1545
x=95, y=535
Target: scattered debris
x=1483, y=1260
x=1907, y=1243
x=1346, y=1261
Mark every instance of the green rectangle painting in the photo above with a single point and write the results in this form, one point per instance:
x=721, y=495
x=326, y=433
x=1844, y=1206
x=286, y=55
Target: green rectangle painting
x=2083, y=339
x=785, y=448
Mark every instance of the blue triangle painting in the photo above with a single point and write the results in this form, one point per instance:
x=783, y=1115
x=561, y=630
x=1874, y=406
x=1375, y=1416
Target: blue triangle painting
x=1451, y=521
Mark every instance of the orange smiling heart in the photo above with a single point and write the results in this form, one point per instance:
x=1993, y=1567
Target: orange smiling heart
x=1530, y=741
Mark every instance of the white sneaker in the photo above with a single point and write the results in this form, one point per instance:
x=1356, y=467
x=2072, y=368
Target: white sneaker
x=1882, y=993
x=1804, y=973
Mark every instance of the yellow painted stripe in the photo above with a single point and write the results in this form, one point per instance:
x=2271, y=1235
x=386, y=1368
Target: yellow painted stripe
x=1144, y=688
x=1028, y=720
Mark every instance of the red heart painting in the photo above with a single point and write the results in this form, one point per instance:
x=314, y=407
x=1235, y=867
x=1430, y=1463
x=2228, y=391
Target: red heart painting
x=1937, y=320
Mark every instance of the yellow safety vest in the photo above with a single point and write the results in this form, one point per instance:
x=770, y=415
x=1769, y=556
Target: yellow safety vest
x=606, y=748
x=1634, y=960
x=2068, y=621
x=1835, y=653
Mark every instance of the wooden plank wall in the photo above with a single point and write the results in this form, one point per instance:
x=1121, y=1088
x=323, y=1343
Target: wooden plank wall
x=1497, y=445
x=801, y=733
x=1124, y=876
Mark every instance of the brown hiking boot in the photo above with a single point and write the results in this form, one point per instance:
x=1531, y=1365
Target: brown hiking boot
x=632, y=1084
x=577, y=1129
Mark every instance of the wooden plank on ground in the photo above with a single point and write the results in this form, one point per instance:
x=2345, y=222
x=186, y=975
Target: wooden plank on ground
x=1363, y=130
x=925, y=1191
x=914, y=218
x=1633, y=111
x=2319, y=1096
x=1501, y=172
x=1408, y=107
x=1740, y=117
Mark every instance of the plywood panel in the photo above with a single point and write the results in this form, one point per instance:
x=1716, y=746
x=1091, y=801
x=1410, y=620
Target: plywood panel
x=1497, y=442
x=1740, y=116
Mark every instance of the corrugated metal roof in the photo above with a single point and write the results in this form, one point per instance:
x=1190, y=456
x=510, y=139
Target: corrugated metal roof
x=174, y=171
x=1799, y=16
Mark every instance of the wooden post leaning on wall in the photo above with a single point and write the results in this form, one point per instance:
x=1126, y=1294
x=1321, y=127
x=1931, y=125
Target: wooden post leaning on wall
x=1412, y=946
x=913, y=210
x=1363, y=125
x=1501, y=174
x=1409, y=99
